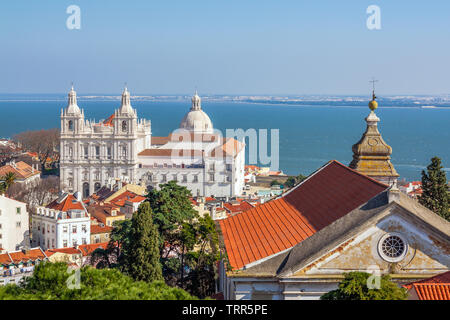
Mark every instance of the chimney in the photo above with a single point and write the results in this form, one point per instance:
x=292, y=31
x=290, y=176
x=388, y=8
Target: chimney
x=394, y=193
x=77, y=196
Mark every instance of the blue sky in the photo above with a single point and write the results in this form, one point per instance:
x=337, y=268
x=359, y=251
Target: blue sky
x=225, y=47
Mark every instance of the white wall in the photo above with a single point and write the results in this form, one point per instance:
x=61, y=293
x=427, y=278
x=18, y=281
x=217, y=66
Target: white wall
x=12, y=235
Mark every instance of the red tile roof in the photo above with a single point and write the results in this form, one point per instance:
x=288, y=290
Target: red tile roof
x=109, y=121
x=96, y=229
x=69, y=203
x=126, y=196
x=87, y=249
x=21, y=169
x=331, y=192
x=240, y=206
x=433, y=291
x=20, y=256
x=62, y=250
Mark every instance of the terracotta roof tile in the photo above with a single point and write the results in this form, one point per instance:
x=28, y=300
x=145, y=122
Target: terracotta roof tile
x=69, y=203
x=96, y=229
x=21, y=169
x=432, y=291
x=277, y=225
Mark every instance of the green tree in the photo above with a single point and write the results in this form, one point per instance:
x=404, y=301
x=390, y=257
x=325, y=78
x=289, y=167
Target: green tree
x=50, y=282
x=290, y=182
x=171, y=208
x=434, y=186
x=7, y=181
x=354, y=287
x=275, y=183
x=140, y=257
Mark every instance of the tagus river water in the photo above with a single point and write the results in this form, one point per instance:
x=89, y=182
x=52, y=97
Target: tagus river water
x=309, y=136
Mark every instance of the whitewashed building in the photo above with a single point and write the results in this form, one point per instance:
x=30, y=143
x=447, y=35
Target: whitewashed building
x=121, y=147
x=14, y=227
x=65, y=222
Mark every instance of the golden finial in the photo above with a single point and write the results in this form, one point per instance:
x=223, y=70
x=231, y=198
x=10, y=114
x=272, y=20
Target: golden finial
x=373, y=104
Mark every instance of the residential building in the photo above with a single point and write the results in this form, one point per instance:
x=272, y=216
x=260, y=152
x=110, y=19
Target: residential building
x=106, y=213
x=23, y=172
x=100, y=233
x=14, y=224
x=64, y=223
x=18, y=264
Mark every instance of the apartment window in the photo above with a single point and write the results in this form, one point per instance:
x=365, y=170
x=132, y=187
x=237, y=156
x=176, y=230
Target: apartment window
x=211, y=177
x=83, y=227
x=18, y=210
x=0, y=235
x=48, y=228
x=184, y=177
x=0, y=225
x=74, y=243
x=39, y=227
x=164, y=178
x=83, y=241
x=64, y=229
x=53, y=243
x=18, y=224
x=212, y=166
x=65, y=243
x=195, y=179
x=53, y=229
x=229, y=167
x=175, y=178
x=74, y=229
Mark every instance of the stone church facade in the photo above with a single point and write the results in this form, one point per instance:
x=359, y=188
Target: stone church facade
x=94, y=154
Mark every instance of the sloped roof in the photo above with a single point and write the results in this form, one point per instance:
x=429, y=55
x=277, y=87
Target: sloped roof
x=68, y=203
x=432, y=291
x=87, y=249
x=21, y=169
x=333, y=236
x=20, y=256
x=327, y=195
x=96, y=229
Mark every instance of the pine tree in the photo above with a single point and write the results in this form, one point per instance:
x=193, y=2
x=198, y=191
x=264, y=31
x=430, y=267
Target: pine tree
x=142, y=251
x=434, y=186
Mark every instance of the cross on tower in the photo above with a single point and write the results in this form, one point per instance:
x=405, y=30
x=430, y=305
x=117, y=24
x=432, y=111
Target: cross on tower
x=373, y=87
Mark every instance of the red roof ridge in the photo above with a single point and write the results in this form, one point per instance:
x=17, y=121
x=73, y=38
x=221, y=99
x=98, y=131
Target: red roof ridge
x=359, y=173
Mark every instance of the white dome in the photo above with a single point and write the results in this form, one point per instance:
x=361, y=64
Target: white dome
x=197, y=120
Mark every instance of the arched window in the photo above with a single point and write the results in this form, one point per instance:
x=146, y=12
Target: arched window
x=124, y=126
x=86, y=190
x=70, y=125
x=97, y=186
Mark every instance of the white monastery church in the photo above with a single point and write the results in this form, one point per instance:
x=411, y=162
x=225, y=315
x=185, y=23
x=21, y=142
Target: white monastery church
x=122, y=148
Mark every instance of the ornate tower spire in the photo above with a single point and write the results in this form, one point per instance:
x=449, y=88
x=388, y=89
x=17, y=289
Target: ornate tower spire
x=72, y=106
x=371, y=154
x=196, y=102
x=125, y=106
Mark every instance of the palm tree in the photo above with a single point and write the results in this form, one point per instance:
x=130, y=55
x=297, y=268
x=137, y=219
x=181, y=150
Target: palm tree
x=9, y=178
